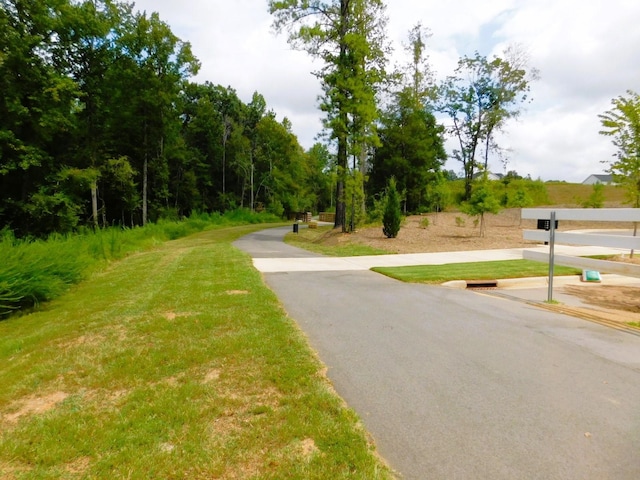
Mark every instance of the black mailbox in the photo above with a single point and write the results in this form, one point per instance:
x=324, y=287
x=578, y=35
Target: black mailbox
x=545, y=224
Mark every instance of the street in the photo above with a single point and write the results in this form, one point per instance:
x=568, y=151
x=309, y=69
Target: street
x=457, y=384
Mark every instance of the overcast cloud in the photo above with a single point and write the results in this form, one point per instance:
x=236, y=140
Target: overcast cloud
x=586, y=51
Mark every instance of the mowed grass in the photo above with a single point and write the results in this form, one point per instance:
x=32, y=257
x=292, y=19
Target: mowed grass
x=312, y=239
x=493, y=270
x=173, y=363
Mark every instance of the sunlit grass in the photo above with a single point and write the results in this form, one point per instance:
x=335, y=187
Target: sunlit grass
x=173, y=363
x=493, y=270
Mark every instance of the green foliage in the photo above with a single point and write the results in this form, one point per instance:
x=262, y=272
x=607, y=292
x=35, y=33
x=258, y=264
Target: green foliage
x=100, y=126
x=349, y=39
x=622, y=123
x=483, y=200
x=596, y=199
x=424, y=222
x=518, y=194
x=412, y=151
x=392, y=217
x=438, y=193
x=35, y=271
x=480, y=98
x=412, y=147
x=375, y=212
x=354, y=200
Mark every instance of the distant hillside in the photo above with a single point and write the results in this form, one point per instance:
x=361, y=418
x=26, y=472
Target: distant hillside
x=563, y=194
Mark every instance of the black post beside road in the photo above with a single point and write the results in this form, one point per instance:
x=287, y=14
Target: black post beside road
x=552, y=238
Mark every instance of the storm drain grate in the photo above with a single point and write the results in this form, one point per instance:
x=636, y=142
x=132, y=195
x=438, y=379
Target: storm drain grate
x=480, y=284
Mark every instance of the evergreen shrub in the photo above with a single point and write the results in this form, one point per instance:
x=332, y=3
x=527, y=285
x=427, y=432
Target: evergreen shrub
x=392, y=217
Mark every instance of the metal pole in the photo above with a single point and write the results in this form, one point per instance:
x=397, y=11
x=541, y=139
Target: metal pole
x=552, y=239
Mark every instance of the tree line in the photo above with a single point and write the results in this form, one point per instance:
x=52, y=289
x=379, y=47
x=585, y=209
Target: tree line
x=101, y=124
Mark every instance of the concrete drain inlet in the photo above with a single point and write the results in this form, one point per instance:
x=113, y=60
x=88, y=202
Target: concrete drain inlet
x=477, y=284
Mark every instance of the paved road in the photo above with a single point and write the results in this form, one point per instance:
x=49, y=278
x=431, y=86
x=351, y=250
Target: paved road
x=454, y=384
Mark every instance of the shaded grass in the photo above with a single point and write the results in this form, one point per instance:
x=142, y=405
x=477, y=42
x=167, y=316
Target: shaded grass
x=173, y=363
x=312, y=239
x=493, y=270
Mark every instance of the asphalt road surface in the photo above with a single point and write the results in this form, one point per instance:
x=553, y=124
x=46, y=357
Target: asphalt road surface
x=454, y=384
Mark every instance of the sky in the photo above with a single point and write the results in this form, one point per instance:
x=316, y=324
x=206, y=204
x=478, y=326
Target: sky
x=587, y=53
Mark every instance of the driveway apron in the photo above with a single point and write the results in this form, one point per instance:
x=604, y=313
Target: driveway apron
x=454, y=384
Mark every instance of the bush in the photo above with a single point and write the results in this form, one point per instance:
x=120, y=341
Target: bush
x=376, y=211
x=596, y=199
x=392, y=217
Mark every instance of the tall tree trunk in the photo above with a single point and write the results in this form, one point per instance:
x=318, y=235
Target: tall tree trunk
x=225, y=136
x=145, y=184
x=363, y=171
x=341, y=206
x=252, y=197
x=94, y=204
x=486, y=153
x=341, y=130
x=145, y=176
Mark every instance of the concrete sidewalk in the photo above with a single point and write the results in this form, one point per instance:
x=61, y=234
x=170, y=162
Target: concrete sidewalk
x=320, y=263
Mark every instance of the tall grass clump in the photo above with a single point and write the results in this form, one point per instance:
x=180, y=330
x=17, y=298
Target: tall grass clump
x=32, y=272
x=35, y=271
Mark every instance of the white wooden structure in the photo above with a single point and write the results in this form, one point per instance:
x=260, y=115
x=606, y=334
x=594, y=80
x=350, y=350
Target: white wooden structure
x=629, y=242
x=604, y=179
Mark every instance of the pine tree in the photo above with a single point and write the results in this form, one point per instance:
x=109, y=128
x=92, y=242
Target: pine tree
x=392, y=214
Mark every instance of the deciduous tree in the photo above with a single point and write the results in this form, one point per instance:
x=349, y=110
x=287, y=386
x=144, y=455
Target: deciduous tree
x=622, y=123
x=348, y=36
x=479, y=99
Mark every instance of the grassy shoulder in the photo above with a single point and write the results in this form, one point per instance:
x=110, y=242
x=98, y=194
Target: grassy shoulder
x=494, y=270
x=313, y=240
x=172, y=363
x=33, y=271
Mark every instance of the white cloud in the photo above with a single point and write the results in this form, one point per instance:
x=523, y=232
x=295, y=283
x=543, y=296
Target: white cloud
x=586, y=52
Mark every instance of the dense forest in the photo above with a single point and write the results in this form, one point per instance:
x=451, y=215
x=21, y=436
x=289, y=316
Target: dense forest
x=101, y=123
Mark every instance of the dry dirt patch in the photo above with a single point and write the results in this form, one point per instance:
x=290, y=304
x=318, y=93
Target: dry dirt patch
x=35, y=405
x=608, y=296
x=455, y=231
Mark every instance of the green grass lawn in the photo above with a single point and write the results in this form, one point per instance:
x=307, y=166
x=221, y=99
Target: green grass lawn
x=310, y=239
x=173, y=363
x=494, y=270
